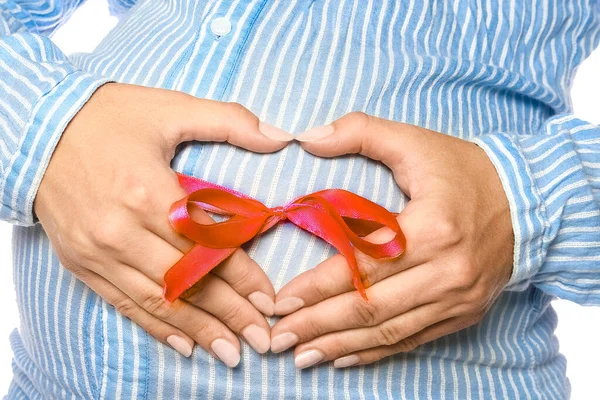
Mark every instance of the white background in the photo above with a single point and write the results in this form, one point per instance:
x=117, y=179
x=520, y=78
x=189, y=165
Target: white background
x=578, y=329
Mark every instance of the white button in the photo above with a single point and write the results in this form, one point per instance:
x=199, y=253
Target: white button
x=220, y=26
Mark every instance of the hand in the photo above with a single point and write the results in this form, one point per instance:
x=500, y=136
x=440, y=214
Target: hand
x=104, y=203
x=458, y=257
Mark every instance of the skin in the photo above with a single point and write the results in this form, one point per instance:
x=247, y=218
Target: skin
x=104, y=201
x=458, y=258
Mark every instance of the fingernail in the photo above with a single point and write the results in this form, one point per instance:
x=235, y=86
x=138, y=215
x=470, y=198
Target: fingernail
x=289, y=305
x=315, y=134
x=283, y=342
x=275, y=133
x=180, y=344
x=258, y=338
x=347, y=361
x=262, y=302
x=226, y=352
x=308, y=358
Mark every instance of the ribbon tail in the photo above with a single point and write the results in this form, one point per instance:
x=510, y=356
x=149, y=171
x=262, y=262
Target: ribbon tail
x=356, y=280
x=323, y=225
x=192, y=267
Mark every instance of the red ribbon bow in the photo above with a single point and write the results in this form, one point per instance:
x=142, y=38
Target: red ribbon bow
x=337, y=216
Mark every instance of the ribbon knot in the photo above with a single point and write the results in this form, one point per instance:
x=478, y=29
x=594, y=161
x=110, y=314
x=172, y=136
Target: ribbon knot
x=339, y=217
x=279, y=212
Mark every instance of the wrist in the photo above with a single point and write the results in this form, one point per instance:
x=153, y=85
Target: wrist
x=497, y=203
x=528, y=213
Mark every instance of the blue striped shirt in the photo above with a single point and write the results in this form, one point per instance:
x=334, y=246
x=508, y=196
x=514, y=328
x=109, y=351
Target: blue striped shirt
x=495, y=72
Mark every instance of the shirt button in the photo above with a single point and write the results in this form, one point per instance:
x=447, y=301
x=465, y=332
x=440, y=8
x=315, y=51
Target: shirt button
x=220, y=26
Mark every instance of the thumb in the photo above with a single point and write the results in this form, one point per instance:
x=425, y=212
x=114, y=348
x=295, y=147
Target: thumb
x=214, y=121
x=392, y=143
x=359, y=133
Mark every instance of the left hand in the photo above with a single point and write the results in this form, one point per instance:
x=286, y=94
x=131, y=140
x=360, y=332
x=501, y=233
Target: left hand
x=457, y=261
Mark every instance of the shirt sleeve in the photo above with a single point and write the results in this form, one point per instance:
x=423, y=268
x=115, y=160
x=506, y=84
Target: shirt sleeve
x=40, y=92
x=552, y=181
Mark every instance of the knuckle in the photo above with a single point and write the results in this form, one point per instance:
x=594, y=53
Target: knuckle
x=369, y=268
x=126, y=307
x=364, y=313
x=234, y=313
x=196, y=294
x=137, y=197
x=463, y=276
x=243, y=278
x=239, y=112
x=447, y=231
x=388, y=334
x=358, y=119
x=337, y=348
x=203, y=331
x=315, y=284
x=156, y=305
x=310, y=327
x=408, y=344
x=108, y=233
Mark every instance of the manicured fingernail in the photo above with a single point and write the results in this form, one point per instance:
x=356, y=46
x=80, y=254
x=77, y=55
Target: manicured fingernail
x=257, y=337
x=179, y=344
x=347, y=361
x=315, y=134
x=226, y=352
x=275, y=133
x=283, y=342
x=262, y=302
x=289, y=305
x=308, y=358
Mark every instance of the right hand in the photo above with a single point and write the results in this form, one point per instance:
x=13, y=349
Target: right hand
x=104, y=204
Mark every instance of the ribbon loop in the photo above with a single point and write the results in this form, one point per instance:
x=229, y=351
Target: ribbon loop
x=339, y=217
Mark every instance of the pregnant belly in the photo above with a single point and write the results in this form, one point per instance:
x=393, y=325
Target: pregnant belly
x=72, y=341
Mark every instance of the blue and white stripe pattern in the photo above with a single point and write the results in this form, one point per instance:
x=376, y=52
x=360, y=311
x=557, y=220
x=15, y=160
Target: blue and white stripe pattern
x=497, y=72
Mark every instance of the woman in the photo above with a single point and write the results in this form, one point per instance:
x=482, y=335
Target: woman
x=467, y=70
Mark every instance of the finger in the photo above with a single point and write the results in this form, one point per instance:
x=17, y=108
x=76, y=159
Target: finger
x=359, y=133
x=388, y=298
x=138, y=248
x=154, y=251
x=215, y=296
x=153, y=256
x=242, y=273
x=206, y=330
x=333, y=276
x=211, y=294
x=340, y=344
x=410, y=343
x=156, y=328
x=248, y=279
x=379, y=139
x=215, y=121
